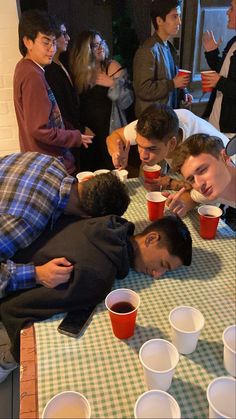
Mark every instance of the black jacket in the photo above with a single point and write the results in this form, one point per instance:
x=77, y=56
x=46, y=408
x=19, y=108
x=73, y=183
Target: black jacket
x=100, y=250
x=226, y=85
x=66, y=96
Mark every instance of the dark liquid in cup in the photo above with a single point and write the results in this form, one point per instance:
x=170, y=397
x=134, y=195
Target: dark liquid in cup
x=122, y=307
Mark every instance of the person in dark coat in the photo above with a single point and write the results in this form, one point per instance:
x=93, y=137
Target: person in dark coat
x=221, y=108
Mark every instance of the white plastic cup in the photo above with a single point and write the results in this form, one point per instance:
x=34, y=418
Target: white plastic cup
x=101, y=171
x=159, y=359
x=156, y=404
x=121, y=174
x=186, y=325
x=68, y=404
x=221, y=397
x=229, y=340
x=82, y=176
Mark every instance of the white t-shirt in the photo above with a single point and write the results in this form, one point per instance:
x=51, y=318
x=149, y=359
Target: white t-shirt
x=190, y=124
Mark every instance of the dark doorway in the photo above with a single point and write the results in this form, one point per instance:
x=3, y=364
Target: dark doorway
x=33, y=4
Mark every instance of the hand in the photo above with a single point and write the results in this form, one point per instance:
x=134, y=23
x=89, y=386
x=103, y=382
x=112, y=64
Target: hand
x=175, y=204
x=104, y=80
x=188, y=99
x=53, y=273
x=181, y=82
x=159, y=184
x=121, y=155
x=209, y=41
x=86, y=140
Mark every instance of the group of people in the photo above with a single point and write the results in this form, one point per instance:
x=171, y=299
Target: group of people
x=53, y=102
x=63, y=243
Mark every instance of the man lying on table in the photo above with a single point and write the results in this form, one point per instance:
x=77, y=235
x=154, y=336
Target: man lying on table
x=100, y=250
x=158, y=133
x=35, y=190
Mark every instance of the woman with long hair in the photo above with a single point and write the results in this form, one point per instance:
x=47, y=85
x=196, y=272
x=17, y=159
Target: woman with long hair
x=105, y=93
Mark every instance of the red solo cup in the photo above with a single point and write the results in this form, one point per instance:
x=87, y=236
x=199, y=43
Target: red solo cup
x=183, y=72
x=204, y=77
x=156, y=204
x=209, y=219
x=151, y=172
x=118, y=302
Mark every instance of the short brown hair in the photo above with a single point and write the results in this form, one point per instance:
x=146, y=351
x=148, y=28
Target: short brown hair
x=158, y=122
x=193, y=146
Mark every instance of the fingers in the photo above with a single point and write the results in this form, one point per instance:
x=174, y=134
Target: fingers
x=166, y=194
x=152, y=184
x=87, y=138
x=175, y=204
x=120, y=158
x=179, y=194
x=61, y=261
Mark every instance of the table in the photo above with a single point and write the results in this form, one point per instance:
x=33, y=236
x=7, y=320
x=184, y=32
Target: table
x=107, y=370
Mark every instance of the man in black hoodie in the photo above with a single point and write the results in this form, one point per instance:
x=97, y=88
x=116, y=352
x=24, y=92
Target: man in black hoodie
x=100, y=249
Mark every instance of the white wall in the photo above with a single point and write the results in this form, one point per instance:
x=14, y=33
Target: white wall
x=9, y=55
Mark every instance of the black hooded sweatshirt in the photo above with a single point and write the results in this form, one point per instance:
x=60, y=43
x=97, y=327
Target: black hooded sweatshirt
x=100, y=250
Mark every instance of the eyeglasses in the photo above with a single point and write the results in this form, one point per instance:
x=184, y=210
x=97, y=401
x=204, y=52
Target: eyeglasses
x=64, y=33
x=48, y=43
x=98, y=45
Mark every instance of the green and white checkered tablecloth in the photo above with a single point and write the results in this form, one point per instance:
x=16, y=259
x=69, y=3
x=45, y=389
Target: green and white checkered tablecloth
x=107, y=370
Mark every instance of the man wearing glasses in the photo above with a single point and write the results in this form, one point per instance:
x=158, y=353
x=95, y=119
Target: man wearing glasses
x=41, y=127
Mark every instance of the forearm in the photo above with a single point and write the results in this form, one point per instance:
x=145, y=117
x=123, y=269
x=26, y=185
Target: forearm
x=188, y=201
x=214, y=59
x=112, y=141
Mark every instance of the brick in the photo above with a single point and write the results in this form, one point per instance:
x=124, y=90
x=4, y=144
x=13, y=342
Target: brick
x=4, y=108
x=6, y=95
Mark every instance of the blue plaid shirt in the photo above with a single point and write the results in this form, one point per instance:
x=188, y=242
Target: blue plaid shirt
x=34, y=190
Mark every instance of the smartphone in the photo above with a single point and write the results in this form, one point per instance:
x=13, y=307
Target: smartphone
x=75, y=324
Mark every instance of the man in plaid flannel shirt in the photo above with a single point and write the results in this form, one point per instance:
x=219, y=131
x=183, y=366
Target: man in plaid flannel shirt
x=35, y=190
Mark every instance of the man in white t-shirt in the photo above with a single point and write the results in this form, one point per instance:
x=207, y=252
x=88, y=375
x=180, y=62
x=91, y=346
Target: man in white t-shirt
x=158, y=132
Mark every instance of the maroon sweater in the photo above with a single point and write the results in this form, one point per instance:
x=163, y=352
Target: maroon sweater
x=39, y=119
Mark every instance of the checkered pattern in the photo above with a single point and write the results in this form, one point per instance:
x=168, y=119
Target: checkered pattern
x=107, y=370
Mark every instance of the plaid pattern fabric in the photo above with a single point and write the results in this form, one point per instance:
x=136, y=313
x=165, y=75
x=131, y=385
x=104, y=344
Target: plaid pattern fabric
x=34, y=189
x=107, y=370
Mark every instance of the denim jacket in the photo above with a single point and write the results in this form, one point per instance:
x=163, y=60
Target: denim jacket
x=122, y=96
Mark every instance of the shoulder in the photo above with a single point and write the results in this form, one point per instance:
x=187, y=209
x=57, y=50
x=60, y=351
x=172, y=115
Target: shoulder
x=151, y=41
x=130, y=132
x=29, y=71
